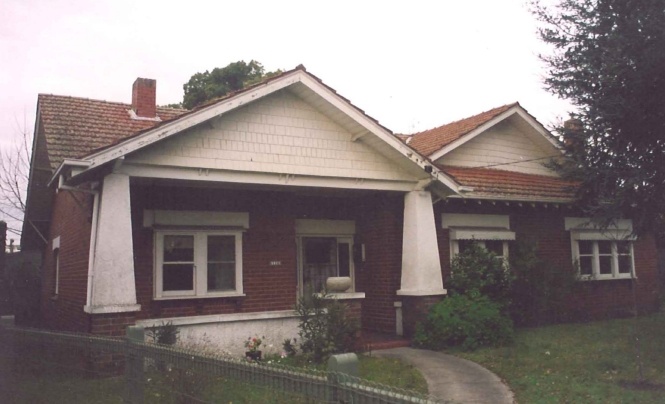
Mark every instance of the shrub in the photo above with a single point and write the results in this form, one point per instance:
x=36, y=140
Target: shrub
x=540, y=288
x=325, y=328
x=469, y=322
x=289, y=348
x=478, y=272
x=165, y=334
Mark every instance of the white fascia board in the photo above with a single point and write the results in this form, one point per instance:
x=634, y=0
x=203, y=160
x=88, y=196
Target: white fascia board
x=472, y=135
x=73, y=163
x=195, y=118
x=377, y=130
x=261, y=178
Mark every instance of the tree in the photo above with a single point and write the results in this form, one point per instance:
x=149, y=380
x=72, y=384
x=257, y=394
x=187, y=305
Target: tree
x=14, y=172
x=206, y=86
x=607, y=60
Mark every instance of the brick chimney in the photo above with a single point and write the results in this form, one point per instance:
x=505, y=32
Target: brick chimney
x=144, y=97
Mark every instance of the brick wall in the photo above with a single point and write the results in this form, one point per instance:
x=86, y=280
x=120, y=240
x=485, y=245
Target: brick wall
x=112, y=324
x=271, y=237
x=71, y=221
x=380, y=275
x=415, y=309
x=545, y=225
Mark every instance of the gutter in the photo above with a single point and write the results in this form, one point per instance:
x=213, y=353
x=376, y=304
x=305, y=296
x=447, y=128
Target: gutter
x=67, y=163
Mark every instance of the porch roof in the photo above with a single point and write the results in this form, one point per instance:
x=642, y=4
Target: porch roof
x=487, y=183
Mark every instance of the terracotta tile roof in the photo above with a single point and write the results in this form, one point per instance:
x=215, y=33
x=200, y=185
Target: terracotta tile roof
x=432, y=140
x=487, y=182
x=74, y=127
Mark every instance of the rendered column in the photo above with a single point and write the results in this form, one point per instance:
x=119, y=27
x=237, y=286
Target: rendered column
x=113, y=286
x=421, y=265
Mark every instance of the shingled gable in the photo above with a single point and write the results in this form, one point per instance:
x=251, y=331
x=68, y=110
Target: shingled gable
x=308, y=86
x=492, y=181
x=439, y=141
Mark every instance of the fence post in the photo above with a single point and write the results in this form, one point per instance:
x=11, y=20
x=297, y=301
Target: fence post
x=134, y=377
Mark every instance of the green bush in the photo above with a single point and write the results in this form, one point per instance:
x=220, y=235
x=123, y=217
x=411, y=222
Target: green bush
x=540, y=288
x=165, y=334
x=478, y=272
x=468, y=322
x=325, y=328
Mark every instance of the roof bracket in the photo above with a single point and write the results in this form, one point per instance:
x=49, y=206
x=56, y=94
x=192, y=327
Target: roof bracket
x=118, y=163
x=357, y=136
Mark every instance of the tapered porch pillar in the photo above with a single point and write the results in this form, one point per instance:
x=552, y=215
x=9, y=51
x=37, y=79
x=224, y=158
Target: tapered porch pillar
x=111, y=277
x=422, y=283
x=421, y=265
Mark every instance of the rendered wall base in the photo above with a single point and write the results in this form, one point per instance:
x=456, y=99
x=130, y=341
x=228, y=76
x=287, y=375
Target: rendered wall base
x=227, y=333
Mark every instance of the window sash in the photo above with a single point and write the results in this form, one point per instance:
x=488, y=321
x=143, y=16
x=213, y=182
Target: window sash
x=598, y=257
x=201, y=264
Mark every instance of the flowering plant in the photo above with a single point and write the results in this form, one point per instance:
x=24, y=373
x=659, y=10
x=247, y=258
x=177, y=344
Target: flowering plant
x=253, y=343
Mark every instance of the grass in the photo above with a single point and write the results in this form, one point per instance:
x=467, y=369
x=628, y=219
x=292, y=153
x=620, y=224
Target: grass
x=582, y=363
x=55, y=389
x=35, y=384
x=386, y=371
x=392, y=372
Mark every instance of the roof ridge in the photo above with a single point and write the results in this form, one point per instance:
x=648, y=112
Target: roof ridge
x=119, y=103
x=73, y=97
x=507, y=106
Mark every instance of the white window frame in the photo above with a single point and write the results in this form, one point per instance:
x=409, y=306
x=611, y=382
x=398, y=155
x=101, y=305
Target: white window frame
x=583, y=229
x=454, y=247
x=595, y=262
x=200, y=282
x=342, y=230
x=478, y=228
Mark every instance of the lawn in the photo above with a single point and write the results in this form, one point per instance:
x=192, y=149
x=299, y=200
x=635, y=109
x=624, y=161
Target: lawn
x=36, y=385
x=583, y=363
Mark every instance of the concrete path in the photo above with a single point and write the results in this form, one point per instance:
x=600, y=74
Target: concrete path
x=453, y=379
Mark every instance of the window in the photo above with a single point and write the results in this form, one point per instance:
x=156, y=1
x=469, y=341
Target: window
x=498, y=247
x=198, y=263
x=325, y=249
x=323, y=257
x=603, y=259
x=602, y=253
x=491, y=232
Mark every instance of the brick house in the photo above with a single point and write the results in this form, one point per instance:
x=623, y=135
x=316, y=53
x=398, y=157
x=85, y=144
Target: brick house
x=218, y=218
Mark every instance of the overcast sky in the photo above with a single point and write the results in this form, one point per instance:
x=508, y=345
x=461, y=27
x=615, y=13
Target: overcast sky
x=412, y=65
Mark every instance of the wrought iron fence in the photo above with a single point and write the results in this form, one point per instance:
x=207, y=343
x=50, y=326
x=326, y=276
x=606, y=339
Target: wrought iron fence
x=43, y=366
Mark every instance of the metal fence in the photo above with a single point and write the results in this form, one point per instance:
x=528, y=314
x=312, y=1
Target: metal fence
x=42, y=366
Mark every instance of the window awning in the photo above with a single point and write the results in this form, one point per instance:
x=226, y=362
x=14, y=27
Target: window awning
x=585, y=229
x=471, y=233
